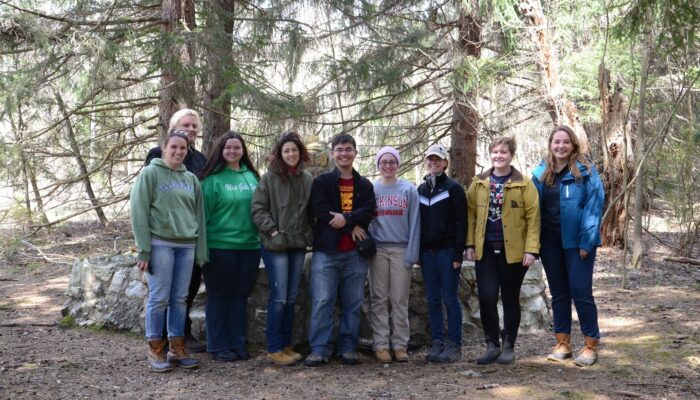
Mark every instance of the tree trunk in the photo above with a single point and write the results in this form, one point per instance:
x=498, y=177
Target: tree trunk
x=560, y=109
x=80, y=161
x=638, y=247
x=175, y=90
x=219, y=54
x=465, y=117
x=618, y=158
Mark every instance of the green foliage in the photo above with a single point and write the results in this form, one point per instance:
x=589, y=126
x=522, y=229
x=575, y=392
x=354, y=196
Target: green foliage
x=67, y=322
x=677, y=20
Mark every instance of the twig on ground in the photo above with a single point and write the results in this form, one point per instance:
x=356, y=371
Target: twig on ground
x=18, y=324
x=44, y=256
x=684, y=260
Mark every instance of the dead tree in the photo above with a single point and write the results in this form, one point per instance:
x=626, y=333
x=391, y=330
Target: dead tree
x=561, y=110
x=618, y=156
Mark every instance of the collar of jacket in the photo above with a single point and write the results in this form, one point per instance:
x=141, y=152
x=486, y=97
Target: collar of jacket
x=275, y=167
x=438, y=179
x=515, y=175
x=541, y=167
x=355, y=175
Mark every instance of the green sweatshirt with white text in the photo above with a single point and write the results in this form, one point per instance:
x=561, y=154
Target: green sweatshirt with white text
x=228, y=195
x=167, y=204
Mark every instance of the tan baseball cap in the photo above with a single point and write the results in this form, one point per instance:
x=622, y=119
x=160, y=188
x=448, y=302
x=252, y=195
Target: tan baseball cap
x=437, y=150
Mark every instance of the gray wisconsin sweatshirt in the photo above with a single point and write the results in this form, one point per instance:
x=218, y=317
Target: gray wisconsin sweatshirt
x=397, y=218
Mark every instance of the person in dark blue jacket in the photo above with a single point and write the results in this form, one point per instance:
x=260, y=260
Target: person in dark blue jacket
x=571, y=201
x=443, y=224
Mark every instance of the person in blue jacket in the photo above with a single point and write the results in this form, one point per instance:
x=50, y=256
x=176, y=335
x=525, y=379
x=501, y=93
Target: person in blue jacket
x=571, y=201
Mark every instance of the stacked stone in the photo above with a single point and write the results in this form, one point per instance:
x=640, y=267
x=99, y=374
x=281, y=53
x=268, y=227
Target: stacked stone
x=110, y=292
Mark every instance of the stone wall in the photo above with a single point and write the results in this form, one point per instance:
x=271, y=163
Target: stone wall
x=110, y=292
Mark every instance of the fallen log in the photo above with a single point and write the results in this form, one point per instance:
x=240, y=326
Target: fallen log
x=684, y=260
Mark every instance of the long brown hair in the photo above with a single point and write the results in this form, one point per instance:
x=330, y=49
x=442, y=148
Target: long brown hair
x=216, y=162
x=576, y=155
x=276, y=153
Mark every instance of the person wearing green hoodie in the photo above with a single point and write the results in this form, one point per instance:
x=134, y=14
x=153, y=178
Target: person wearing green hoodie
x=229, y=180
x=167, y=218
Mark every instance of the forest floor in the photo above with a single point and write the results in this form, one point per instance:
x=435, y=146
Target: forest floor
x=650, y=343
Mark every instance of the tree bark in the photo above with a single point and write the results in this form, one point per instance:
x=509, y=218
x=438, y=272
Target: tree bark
x=175, y=90
x=219, y=54
x=618, y=158
x=561, y=110
x=80, y=161
x=465, y=116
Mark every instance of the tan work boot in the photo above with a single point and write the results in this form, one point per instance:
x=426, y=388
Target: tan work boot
x=589, y=353
x=383, y=356
x=290, y=352
x=178, y=354
x=156, y=356
x=400, y=355
x=562, y=350
x=281, y=358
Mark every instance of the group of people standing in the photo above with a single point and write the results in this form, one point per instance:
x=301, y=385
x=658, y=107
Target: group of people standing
x=217, y=216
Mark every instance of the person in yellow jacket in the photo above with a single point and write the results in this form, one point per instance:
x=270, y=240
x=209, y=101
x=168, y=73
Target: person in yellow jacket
x=503, y=237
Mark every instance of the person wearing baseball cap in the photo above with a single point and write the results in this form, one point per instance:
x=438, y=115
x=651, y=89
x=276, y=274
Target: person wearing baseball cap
x=443, y=214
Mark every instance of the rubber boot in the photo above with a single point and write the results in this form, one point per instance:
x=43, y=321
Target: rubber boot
x=156, y=356
x=562, y=351
x=178, y=354
x=589, y=353
x=507, y=352
x=493, y=350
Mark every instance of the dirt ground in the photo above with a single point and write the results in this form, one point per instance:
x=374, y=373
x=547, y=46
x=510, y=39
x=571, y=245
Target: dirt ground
x=650, y=343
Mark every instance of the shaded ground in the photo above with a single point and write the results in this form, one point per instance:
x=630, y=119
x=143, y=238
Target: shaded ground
x=651, y=344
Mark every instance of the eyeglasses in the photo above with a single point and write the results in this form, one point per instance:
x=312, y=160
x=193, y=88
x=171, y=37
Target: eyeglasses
x=388, y=163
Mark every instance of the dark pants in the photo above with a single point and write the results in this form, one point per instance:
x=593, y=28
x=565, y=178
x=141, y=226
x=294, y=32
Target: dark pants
x=493, y=273
x=570, y=278
x=195, y=282
x=229, y=278
x=441, y=281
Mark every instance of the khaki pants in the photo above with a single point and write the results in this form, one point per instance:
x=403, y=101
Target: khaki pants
x=389, y=284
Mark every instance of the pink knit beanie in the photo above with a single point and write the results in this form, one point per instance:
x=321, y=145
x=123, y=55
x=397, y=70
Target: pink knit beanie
x=390, y=150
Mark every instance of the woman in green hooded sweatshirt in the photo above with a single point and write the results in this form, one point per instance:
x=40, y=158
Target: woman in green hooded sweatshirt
x=167, y=217
x=228, y=182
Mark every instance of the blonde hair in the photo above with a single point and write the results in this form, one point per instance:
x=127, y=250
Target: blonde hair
x=576, y=155
x=508, y=141
x=183, y=112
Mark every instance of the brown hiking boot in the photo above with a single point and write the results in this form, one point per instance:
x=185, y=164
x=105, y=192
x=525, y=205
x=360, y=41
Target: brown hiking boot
x=290, y=352
x=178, y=354
x=383, y=356
x=589, y=353
x=156, y=356
x=400, y=355
x=562, y=350
x=281, y=358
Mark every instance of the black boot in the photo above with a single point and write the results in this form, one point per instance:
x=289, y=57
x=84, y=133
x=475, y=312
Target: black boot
x=493, y=350
x=507, y=353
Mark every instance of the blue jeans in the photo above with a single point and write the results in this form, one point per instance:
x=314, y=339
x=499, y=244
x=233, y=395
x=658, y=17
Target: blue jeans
x=229, y=278
x=570, y=278
x=441, y=282
x=168, y=283
x=284, y=270
x=342, y=272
